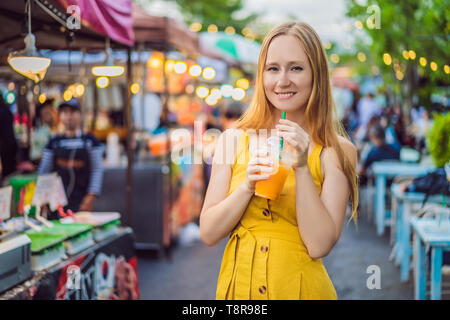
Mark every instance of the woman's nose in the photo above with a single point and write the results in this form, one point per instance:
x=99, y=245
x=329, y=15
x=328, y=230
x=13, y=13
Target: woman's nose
x=283, y=79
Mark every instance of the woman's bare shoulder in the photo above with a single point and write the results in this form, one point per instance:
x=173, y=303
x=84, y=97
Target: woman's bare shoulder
x=349, y=149
x=330, y=155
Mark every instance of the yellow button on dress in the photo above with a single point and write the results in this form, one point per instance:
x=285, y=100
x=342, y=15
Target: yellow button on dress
x=265, y=257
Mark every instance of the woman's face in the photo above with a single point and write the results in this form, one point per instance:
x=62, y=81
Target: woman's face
x=287, y=76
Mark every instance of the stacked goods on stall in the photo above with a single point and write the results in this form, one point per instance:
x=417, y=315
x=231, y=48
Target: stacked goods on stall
x=106, y=230
x=53, y=241
x=104, y=224
x=14, y=248
x=52, y=244
x=23, y=186
x=78, y=236
x=46, y=249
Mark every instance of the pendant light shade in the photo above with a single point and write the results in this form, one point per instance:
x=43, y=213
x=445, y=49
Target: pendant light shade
x=29, y=62
x=109, y=69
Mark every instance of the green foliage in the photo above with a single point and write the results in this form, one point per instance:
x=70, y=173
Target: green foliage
x=421, y=26
x=218, y=12
x=439, y=139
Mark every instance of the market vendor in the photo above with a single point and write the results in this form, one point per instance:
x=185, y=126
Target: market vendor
x=77, y=157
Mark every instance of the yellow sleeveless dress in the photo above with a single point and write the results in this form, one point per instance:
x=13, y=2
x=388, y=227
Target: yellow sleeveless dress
x=265, y=257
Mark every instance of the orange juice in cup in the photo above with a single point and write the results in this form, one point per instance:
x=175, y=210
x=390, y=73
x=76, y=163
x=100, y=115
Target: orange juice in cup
x=272, y=187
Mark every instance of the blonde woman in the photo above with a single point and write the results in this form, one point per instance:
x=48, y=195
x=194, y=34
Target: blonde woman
x=275, y=247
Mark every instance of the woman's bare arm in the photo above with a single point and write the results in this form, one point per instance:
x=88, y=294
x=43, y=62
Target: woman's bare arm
x=321, y=218
x=220, y=214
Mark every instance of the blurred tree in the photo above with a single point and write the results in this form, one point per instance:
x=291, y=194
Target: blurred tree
x=408, y=31
x=222, y=13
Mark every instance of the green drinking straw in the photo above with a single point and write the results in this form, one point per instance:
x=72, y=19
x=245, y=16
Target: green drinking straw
x=283, y=116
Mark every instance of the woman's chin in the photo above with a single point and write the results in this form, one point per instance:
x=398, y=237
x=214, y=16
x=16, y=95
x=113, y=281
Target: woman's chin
x=286, y=107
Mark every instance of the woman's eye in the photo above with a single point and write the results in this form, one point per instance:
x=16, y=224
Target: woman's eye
x=297, y=68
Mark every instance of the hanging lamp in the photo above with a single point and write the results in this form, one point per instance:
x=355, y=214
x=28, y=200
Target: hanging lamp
x=29, y=62
x=109, y=69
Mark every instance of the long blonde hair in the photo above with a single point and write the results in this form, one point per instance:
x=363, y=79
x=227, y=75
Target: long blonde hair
x=320, y=107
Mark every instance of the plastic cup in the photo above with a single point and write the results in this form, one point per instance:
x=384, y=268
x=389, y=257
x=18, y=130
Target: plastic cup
x=272, y=187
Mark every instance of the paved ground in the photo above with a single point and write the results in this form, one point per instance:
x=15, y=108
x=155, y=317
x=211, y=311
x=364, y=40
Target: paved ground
x=349, y=260
x=192, y=272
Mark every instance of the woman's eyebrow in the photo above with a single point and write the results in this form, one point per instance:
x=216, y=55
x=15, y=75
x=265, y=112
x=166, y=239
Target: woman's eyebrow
x=289, y=62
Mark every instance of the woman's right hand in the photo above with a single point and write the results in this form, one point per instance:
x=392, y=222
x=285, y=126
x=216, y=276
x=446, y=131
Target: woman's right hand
x=258, y=168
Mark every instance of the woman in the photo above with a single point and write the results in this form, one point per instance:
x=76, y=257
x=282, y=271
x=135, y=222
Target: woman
x=275, y=247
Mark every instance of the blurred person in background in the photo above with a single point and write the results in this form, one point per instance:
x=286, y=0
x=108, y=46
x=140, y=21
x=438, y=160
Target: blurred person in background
x=343, y=100
x=363, y=143
x=399, y=121
x=45, y=128
x=231, y=114
x=8, y=143
x=419, y=128
x=213, y=119
x=415, y=113
x=77, y=158
x=390, y=135
x=367, y=108
x=351, y=118
x=380, y=150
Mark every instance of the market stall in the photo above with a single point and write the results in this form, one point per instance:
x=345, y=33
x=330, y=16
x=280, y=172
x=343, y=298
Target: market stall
x=183, y=81
x=33, y=248
x=106, y=270
x=174, y=82
x=30, y=244
x=160, y=106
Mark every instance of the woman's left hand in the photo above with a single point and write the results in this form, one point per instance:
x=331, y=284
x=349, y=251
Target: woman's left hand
x=297, y=138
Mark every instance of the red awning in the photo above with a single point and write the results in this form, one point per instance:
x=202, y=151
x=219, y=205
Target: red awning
x=110, y=18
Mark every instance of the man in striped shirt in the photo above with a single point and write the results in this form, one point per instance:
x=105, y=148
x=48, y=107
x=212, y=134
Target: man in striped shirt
x=77, y=158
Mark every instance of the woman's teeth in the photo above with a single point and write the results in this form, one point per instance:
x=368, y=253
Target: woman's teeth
x=285, y=95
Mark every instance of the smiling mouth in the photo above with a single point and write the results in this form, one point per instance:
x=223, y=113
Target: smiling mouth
x=285, y=95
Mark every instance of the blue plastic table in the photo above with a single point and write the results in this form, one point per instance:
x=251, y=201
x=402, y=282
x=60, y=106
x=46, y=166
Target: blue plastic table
x=426, y=235
x=389, y=169
x=403, y=216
